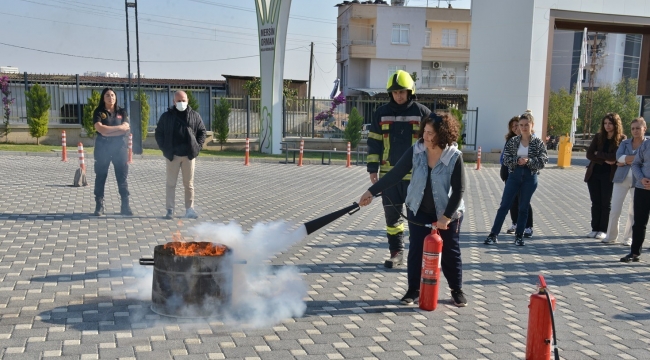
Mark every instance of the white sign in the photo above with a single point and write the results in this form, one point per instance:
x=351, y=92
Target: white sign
x=272, y=20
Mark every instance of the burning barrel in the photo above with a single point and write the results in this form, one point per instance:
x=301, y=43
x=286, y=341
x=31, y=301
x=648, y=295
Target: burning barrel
x=190, y=279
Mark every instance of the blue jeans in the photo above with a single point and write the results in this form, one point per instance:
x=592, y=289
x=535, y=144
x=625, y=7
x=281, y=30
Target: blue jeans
x=520, y=182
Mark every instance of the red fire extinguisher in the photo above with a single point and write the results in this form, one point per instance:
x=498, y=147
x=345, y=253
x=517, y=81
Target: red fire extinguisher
x=541, y=324
x=430, y=275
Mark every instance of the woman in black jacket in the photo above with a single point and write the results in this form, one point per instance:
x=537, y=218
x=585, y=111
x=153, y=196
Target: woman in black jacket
x=112, y=125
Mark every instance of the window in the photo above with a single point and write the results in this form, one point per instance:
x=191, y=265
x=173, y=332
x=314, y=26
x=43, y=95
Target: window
x=427, y=38
x=449, y=37
x=400, y=34
x=392, y=69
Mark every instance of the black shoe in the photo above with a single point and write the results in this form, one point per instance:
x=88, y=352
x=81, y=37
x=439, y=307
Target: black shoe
x=528, y=232
x=396, y=259
x=170, y=214
x=99, y=207
x=458, y=297
x=519, y=240
x=125, y=208
x=630, y=257
x=491, y=239
x=412, y=296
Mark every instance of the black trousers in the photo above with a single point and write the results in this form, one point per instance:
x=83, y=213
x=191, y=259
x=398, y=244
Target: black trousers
x=107, y=151
x=641, y=214
x=394, y=223
x=451, y=263
x=600, y=192
x=514, y=209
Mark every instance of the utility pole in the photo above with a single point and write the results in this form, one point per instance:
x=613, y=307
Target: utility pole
x=593, y=69
x=135, y=113
x=311, y=64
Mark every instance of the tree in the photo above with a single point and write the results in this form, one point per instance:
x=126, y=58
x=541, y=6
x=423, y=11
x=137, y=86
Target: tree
x=461, y=125
x=254, y=89
x=38, y=106
x=560, y=112
x=220, y=124
x=352, y=131
x=143, y=98
x=6, y=104
x=192, y=101
x=89, y=109
x=414, y=76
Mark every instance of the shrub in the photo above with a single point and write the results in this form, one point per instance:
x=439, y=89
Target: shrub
x=192, y=101
x=220, y=124
x=352, y=131
x=143, y=98
x=89, y=109
x=38, y=106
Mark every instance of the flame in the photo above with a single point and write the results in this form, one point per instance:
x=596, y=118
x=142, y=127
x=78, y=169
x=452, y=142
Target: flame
x=180, y=247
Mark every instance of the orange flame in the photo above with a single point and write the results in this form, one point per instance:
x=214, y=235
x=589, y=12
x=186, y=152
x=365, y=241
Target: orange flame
x=180, y=247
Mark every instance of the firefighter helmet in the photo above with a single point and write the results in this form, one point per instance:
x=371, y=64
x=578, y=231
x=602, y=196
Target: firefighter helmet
x=401, y=80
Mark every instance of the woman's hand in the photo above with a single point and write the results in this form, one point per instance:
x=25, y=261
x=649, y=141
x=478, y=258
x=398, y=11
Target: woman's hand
x=610, y=162
x=365, y=199
x=443, y=223
x=522, y=161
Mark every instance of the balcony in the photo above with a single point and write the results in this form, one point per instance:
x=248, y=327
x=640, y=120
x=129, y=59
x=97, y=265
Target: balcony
x=456, y=54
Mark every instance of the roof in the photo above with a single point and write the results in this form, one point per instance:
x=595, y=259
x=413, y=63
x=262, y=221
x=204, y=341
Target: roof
x=102, y=80
x=373, y=92
x=245, y=77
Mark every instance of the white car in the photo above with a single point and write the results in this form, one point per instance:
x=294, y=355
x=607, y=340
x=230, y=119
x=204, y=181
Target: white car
x=365, y=130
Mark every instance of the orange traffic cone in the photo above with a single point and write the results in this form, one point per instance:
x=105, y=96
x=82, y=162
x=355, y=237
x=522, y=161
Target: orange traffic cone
x=248, y=149
x=478, y=159
x=302, y=147
x=64, y=151
x=349, y=161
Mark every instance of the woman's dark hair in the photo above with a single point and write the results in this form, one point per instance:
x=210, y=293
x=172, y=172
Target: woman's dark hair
x=101, y=105
x=445, y=125
x=618, y=131
x=511, y=134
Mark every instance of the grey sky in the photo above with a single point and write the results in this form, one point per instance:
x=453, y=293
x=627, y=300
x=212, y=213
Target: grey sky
x=174, y=36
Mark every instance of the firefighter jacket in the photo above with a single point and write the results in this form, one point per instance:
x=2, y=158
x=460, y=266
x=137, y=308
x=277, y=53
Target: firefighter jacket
x=394, y=129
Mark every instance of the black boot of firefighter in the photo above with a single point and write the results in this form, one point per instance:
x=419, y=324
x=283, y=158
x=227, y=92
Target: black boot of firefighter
x=126, y=209
x=99, y=206
x=396, y=259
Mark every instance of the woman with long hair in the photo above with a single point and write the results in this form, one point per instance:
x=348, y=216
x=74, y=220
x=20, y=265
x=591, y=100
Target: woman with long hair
x=524, y=155
x=601, y=170
x=624, y=183
x=513, y=130
x=435, y=195
x=112, y=125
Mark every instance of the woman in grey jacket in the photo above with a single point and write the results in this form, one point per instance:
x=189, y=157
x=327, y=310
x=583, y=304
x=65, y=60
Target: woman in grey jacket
x=624, y=183
x=435, y=195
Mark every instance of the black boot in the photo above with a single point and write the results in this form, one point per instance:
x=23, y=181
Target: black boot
x=99, y=206
x=126, y=209
x=396, y=259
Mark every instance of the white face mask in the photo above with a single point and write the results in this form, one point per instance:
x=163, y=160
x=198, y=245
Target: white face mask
x=181, y=106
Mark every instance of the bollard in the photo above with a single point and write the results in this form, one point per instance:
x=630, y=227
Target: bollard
x=302, y=147
x=80, y=150
x=349, y=162
x=478, y=159
x=130, y=161
x=248, y=149
x=64, y=151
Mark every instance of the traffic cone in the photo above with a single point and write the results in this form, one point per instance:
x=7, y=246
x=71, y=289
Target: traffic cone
x=349, y=161
x=64, y=151
x=302, y=147
x=80, y=173
x=130, y=161
x=248, y=149
x=478, y=159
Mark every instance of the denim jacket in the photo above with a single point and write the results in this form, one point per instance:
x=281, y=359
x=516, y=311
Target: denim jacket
x=641, y=164
x=440, y=179
x=624, y=149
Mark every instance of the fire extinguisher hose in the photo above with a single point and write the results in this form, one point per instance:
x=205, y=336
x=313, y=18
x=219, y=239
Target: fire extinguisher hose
x=402, y=215
x=550, y=308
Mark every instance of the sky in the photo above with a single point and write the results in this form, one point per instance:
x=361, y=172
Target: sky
x=179, y=39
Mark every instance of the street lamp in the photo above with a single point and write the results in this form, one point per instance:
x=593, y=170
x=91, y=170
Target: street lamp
x=136, y=123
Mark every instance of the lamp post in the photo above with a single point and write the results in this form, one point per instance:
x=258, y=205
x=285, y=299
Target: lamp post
x=136, y=123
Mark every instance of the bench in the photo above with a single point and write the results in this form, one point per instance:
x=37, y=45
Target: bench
x=360, y=152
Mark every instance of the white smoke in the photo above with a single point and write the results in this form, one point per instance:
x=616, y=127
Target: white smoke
x=261, y=297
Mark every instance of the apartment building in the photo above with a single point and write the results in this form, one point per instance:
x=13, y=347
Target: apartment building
x=376, y=39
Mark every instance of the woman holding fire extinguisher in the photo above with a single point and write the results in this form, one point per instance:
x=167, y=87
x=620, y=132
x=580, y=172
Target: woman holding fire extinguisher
x=435, y=195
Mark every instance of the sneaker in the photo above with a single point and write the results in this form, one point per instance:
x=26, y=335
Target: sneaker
x=412, y=296
x=600, y=235
x=528, y=232
x=191, y=214
x=592, y=234
x=628, y=242
x=170, y=214
x=630, y=257
x=607, y=240
x=491, y=239
x=396, y=260
x=458, y=297
x=519, y=240
x=511, y=229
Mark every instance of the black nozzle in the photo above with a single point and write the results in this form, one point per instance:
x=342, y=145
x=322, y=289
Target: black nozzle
x=316, y=224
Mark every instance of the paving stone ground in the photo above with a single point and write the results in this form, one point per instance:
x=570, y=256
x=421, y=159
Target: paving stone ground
x=65, y=275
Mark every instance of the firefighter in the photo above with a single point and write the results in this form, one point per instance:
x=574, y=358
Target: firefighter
x=394, y=129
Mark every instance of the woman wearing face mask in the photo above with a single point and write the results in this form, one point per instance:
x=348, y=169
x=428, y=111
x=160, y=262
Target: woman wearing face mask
x=601, y=170
x=524, y=155
x=513, y=130
x=112, y=125
x=435, y=195
x=624, y=183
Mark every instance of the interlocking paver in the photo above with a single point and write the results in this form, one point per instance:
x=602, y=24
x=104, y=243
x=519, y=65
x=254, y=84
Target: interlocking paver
x=69, y=281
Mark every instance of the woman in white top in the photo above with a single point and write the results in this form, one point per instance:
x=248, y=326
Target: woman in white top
x=624, y=183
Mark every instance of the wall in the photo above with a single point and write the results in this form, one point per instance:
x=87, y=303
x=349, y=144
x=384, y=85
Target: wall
x=386, y=17
x=563, y=44
x=379, y=70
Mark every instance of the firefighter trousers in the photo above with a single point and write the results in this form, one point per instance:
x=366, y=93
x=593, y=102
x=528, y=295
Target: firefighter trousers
x=394, y=223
